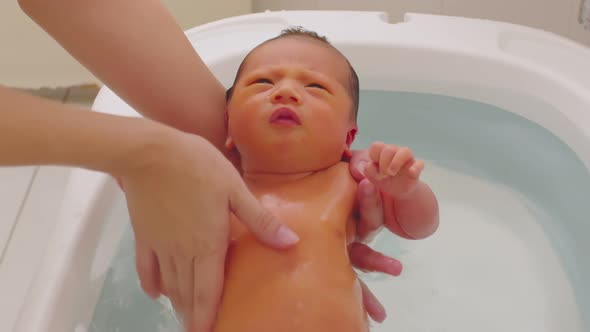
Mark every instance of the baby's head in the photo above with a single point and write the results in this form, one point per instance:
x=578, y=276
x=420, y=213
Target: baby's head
x=293, y=105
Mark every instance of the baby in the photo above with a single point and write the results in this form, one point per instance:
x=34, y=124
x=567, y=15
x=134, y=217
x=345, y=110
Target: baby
x=291, y=116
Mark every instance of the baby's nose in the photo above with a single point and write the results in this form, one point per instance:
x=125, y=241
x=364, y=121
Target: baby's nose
x=285, y=95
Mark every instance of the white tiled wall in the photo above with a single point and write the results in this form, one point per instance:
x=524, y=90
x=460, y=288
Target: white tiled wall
x=558, y=16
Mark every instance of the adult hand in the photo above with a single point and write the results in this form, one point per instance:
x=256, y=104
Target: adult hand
x=372, y=220
x=366, y=259
x=180, y=192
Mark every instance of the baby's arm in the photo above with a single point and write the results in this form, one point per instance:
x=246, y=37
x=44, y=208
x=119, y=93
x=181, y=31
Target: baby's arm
x=410, y=206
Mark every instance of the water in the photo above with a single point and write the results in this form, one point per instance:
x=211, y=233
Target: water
x=509, y=252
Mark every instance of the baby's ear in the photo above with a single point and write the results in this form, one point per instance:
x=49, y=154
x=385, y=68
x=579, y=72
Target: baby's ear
x=347, y=154
x=351, y=136
x=229, y=143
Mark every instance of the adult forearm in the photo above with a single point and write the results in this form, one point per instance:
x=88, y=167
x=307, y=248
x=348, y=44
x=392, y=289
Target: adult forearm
x=34, y=131
x=137, y=49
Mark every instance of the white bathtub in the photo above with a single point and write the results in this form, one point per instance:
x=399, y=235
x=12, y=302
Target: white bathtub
x=518, y=201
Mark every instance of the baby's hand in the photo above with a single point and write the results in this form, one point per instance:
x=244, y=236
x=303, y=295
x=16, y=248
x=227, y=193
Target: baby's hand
x=394, y=169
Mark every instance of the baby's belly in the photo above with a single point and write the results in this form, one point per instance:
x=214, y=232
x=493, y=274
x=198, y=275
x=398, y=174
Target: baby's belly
x=308, y=288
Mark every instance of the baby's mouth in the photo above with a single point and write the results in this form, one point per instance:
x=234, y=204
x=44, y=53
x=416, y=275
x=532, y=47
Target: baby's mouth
x=285, y=116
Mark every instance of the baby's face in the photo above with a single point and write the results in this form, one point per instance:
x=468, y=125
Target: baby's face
x=291, y=109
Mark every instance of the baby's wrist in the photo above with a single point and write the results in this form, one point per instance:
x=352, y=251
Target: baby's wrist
x=405, y=195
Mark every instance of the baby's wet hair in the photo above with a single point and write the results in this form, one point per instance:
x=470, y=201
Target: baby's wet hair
x=299, y=31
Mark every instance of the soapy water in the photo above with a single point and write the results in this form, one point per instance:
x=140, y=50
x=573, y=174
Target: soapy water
x=507, y=255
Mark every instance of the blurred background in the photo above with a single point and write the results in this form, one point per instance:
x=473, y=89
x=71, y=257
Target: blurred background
x=30, y=59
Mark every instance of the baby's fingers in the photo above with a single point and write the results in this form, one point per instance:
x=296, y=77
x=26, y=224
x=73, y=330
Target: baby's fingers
x=372, y=173
x=375, y=151
x=387, y=156
x=416, y=169
x=402, y=156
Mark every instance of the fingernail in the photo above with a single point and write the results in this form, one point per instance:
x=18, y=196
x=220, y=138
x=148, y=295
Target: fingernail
x=287, y=236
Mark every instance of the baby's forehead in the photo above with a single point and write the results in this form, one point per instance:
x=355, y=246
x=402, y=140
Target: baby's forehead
x=314, y=55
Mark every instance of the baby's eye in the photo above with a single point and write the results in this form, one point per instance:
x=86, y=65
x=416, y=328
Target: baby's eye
x=316, y=85
x=263, y=81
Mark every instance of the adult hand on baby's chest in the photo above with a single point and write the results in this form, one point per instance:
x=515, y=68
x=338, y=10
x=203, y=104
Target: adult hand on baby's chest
x=179, y=210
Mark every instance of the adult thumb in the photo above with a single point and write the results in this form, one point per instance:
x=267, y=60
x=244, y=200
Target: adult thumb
x=264, y=225
x=358, y=162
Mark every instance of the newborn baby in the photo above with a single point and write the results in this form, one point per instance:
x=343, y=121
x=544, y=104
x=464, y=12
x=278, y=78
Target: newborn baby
x=291, y=116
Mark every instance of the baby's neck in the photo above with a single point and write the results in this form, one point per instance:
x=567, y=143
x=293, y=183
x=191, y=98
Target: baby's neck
x=272, y=173
x=271, y=179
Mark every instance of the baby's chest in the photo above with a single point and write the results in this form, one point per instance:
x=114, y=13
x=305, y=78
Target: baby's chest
x=320, y=204
x=326, y=197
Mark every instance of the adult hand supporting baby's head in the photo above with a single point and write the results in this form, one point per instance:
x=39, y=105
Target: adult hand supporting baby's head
x=180, y=192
